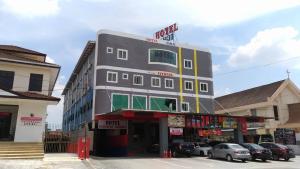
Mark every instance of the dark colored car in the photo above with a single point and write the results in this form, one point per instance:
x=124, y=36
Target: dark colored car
x=279, y=151
x=258, y=152
x=154, y=148
x=182, y=149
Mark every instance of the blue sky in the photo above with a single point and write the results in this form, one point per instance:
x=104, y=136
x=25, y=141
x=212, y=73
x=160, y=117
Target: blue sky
x=240, y=34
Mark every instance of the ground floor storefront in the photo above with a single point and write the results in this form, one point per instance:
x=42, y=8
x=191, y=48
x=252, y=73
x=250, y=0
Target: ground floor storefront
x=134, y=133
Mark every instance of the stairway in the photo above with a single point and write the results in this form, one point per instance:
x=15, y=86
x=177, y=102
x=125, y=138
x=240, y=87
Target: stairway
x=21, y=150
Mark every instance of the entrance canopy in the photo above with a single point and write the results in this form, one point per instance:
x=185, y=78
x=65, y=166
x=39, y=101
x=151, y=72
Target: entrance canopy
x=190, y=120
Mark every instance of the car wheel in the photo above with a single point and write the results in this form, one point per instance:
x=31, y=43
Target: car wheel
x=286, y=158
x=264, y=160
x=275, y=157
x=243, y=160
x=201, y=153
x=229, y=158
x=253, y=158
x=210, y=155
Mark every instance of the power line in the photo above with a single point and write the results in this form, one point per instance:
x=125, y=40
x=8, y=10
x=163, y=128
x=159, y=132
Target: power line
x=257, y=66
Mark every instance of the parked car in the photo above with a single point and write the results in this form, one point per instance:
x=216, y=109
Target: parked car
x=229, y=151
x=279, y=151
x=181, y=149
x=201, y=149
x=258, y=152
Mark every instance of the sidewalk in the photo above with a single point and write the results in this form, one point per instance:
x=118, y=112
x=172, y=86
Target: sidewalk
x=50, y=161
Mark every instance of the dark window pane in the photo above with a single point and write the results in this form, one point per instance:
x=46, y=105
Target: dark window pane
x=36, y=82
x=276, y=116
x=6, y=79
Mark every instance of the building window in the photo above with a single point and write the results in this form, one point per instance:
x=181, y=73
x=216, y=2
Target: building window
x=188, y=85
x=276, y=115
x=122, y=54
x=203, y=87
x=35, y=82
x=109, y=50
x=112, y=77
x=188, y=64
x=138, y=80
x=253, y=112
x=169, y=83
x=125, y=76
x=185, y=107
x=6, y=79
x=163, y=104
x=155, y=82
x=139, y=102
x=164, y=57
x=120, y=101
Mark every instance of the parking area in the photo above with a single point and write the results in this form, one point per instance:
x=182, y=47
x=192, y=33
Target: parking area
x=188, y=163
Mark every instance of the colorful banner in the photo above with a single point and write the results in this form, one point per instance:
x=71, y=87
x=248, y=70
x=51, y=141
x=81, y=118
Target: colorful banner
x=176, y=121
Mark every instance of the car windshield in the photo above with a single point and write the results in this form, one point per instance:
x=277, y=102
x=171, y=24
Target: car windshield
x=281, y=146
x=235, y=146
x=204, y=145
x=256, y=146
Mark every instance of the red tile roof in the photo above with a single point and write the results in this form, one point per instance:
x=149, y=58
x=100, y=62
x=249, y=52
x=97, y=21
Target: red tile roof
x=250, y=96
x=20, y=50
x=30, y=95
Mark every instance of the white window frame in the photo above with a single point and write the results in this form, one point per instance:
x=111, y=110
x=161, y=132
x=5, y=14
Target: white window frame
x=142, y=80
x=159, y=63
x=109, y=48
x=166, y=83
x=189, y=82
x=156, y=78
x=125, y=74
x=188, y=106
x=116, y=73
x=188, y=60
x=111, y=100
x=206, y=87
x=140, y=96
x=123, y=50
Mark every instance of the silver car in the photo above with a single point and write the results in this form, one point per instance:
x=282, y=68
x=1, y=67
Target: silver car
x=201, y=149
x=229, y=152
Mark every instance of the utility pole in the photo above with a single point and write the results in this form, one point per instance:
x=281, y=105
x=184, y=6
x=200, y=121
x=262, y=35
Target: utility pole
x=288, y=73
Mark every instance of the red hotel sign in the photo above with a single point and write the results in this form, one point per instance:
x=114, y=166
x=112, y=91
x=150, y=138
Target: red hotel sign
x=166, y=31
x=31, y=121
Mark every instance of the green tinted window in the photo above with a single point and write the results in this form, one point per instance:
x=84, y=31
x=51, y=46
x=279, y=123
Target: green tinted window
x=139, y=102
x=163, y=57
x=120, y=101
x=162, y=104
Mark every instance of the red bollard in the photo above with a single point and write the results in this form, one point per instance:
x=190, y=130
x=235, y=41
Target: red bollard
x=169, y=154
x=165, y=154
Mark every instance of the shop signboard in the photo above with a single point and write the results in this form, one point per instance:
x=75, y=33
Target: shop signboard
x=31, y=120
x=176, y=131
x=112, y=124
x=176, y=121
x=229, y=123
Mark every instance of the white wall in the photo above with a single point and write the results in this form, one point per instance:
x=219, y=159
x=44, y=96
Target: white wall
x=30, y=133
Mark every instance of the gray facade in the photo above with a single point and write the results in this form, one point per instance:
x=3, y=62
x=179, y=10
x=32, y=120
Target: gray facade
x=104, y=58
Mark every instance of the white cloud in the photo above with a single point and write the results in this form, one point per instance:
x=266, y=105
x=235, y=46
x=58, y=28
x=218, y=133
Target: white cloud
x=268, y=46
x=132, y=14
x=216, y=68
x=55, y=112
x=30, y=8
x=50, y=60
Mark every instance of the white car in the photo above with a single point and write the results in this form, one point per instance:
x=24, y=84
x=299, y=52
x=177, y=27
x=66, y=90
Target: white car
x=201, y=149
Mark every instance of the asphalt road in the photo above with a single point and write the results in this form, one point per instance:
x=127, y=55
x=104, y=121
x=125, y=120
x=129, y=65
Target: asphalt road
x=187, y=163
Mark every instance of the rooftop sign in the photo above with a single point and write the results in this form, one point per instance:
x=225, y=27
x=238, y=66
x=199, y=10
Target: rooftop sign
x=168, y=33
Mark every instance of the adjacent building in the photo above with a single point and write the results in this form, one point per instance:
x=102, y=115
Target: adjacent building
x=279, y=101
x=26, y=85
x=122, y=76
